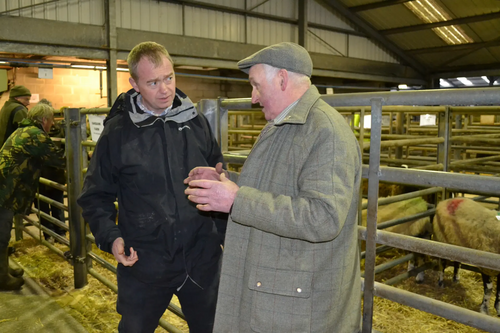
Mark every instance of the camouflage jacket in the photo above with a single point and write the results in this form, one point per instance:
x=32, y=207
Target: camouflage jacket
x=22, y=157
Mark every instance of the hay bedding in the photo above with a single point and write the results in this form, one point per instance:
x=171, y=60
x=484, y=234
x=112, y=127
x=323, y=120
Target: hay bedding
x=95, y=305
x=393, y=317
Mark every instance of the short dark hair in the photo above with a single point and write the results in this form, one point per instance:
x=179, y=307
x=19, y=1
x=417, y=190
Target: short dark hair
x=153, y=51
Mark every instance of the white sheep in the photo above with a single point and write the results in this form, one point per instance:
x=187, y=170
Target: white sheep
x=464, y=222
x=418, y=228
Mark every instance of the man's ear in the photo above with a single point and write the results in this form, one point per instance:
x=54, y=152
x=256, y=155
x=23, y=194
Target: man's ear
x=283, y=76
x=134, y=84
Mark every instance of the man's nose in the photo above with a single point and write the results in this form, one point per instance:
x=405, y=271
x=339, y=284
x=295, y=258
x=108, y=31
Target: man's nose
x=255, y=98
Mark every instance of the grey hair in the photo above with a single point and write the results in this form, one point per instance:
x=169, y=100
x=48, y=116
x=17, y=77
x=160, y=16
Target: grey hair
x=40, y=111
x=45, y=101
x=296, y=78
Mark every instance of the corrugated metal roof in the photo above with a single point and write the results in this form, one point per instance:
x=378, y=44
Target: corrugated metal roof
x=481, y=25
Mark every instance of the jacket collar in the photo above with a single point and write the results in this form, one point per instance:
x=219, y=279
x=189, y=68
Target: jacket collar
x=182, y=110
x=29, y=122
x=299, y=113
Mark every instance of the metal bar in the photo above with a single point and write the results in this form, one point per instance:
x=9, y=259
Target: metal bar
x=407, y=275
x=428, y=26
x=390, y=264
x=438, y=308
x=480, y=96
x=76, y=223
x=371, y=221
x=436, y=249
x=379, y=249
x=45, y=243
x=18, y=226
x=103, y=262
x=405, y=142
x=49, y=218
x=391, y=223
x=453, y=181
x=406, y=196
x=53, y=184
x=52, y=202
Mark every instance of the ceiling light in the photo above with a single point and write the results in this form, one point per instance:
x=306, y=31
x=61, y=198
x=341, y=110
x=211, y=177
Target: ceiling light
x=485, y=78
x=465, y=81
x=100, y=67
x=403, y=86
x=82, y=66
x=444, y=83
x=122, y=69
x=430, y=12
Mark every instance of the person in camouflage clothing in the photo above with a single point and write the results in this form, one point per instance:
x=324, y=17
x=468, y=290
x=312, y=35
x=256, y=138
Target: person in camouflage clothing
x=13, y=111
x=21, y=160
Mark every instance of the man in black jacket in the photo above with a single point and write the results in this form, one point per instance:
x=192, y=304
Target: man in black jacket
x=151, y=139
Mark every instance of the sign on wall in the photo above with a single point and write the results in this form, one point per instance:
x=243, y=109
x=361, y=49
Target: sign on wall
x=96, y=122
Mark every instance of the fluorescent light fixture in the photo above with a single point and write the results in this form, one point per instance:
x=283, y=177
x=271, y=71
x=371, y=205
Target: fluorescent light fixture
x=485, y=78
x=100, y=67
x=444, y=83
x=402, y=86
x=122, y=69
x=465, y=81
x=429, y=11
x=82, y=66
x=3, y=62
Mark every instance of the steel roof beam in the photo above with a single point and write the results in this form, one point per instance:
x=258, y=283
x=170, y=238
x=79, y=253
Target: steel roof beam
x=377, y=5
x=370, y=31
x=425, y=26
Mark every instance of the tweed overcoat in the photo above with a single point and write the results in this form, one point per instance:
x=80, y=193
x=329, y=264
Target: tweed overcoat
x=290, y=260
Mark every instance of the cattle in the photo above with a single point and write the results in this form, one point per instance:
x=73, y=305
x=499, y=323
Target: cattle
x=464, y=222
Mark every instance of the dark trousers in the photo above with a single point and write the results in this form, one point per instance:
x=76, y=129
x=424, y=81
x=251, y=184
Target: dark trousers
x=55, y=212
x=6, y=217
x=142, y=305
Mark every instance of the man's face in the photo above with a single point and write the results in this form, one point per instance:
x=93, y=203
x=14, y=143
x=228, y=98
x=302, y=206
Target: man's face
x=24, y=100
x=156, y=84
x=47, y=124
x=264, y=91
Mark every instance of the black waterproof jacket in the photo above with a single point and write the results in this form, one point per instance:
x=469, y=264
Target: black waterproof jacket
x=142, y=160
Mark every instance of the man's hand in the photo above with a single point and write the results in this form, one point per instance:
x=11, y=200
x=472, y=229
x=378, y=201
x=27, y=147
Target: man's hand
x=118, y=250
x=213, y=195
x=207, y=173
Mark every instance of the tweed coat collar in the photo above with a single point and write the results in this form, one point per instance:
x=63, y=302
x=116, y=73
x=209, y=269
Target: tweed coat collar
x=300, y=112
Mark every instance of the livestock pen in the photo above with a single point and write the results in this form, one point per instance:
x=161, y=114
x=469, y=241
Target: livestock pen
x=218, y=111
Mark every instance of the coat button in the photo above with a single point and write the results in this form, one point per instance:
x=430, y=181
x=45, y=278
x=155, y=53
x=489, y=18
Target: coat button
x=259, y=284
x=299, y=290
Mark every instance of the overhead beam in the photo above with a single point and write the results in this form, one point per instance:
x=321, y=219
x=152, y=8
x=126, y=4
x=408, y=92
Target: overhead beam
x=370, y=31
x=377, y=5
x=302, y=24
x=467, y=71
x=453, y=48
x=469, y=51
x=425, y=26
x=89, y=42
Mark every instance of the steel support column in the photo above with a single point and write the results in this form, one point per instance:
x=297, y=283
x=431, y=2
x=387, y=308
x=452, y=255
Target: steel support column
x=75, y=180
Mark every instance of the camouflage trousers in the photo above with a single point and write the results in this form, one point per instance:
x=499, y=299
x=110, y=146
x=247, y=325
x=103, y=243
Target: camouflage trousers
x=6, y=217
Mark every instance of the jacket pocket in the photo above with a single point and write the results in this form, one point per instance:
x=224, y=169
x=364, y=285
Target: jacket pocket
x=281, y=300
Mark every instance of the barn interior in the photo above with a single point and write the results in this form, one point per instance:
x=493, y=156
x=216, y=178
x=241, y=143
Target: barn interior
x=434, y=65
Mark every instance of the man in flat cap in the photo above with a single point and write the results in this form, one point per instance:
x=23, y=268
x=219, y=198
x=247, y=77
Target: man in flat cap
x=13, y=111
x=291, y=262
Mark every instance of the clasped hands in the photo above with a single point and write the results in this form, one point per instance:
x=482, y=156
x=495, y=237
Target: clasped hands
x=211, y=189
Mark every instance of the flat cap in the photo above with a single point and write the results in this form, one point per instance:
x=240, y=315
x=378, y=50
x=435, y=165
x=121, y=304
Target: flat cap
x=287, y=55
x=18, y=91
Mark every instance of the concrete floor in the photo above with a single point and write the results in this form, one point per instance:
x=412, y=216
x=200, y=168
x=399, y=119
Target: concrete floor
x=31, y=310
